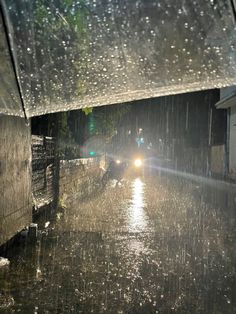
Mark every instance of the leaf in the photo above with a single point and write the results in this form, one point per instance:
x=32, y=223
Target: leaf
x=87, y=111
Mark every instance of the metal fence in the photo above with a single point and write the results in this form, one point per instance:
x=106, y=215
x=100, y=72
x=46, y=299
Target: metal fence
x=43, y=170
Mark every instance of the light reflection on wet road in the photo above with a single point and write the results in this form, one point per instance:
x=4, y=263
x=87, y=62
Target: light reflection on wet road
x=136, y=211
x=148, y=246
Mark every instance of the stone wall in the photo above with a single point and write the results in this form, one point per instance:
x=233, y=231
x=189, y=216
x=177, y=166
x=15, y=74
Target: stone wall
x=15, y=176
x=79, y=178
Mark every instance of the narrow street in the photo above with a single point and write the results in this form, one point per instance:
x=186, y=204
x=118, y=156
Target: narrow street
x=139, y=91
x=150, y=245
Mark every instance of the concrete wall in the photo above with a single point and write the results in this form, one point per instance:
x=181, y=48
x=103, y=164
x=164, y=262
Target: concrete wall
x=232, y=143
x=15, y=176
x=79, y=178
x=217, y=160
x=225, y=93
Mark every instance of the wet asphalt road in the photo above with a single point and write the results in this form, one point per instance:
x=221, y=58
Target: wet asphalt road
x=151, y=245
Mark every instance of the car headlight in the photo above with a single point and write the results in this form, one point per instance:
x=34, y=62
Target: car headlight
x=118, y=161
x=138, y=163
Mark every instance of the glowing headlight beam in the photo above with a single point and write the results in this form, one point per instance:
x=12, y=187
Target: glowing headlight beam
x=138, y=162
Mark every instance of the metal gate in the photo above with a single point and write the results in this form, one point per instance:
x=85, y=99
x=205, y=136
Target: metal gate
x=43, y=170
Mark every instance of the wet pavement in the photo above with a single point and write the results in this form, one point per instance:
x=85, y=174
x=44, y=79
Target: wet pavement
x=151, y=245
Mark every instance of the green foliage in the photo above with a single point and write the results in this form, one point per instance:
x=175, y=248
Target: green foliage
x=87, y=110
x=62, y=38
x=66, y=15
x=61, y=204
x=67, y=148
x=108, y=119
x=63, y=127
